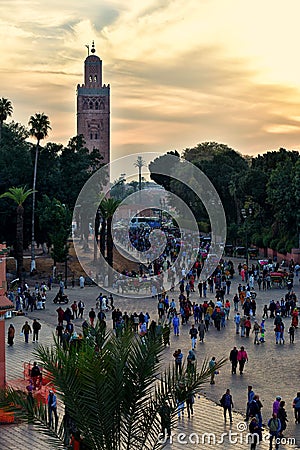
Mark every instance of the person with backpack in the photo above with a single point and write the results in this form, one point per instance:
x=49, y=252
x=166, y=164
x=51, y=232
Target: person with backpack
x=274, y=426
x=227, y=404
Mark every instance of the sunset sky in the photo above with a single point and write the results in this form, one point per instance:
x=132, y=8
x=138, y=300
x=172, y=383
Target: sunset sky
x=181, y=71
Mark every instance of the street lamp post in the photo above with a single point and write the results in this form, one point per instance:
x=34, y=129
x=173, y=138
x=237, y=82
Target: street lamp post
x=246, y=213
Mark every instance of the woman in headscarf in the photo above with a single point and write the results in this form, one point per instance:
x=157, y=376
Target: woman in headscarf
x=10, y=334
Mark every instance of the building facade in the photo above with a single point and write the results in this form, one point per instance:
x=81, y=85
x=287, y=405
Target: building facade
x=93, y=107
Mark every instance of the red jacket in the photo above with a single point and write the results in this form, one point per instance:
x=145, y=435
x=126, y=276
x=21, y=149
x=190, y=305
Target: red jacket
x=242, y=354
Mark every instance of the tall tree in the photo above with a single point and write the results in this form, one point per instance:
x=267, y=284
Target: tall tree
x=40, y=126
x=54, y=227
x=6, y=110
x=18, y=195
x=108, y=207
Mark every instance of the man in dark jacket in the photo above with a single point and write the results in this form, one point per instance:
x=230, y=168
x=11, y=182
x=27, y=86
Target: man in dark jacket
x=233, y=359
x=36, y=326
x=227, y=404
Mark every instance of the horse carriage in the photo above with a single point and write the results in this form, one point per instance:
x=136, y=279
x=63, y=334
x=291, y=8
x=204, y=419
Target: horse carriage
x=133, y=285
x=278, y=279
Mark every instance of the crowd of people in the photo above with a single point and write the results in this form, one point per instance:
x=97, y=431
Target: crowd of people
x=198, y=307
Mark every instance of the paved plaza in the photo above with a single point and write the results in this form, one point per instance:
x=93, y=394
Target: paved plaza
x=272, y=370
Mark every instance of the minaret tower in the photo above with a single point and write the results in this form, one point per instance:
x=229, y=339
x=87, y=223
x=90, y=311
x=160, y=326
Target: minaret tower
x=93, y=107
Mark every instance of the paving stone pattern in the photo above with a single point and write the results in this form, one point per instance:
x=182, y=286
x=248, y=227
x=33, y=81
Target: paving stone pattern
x=272, y=370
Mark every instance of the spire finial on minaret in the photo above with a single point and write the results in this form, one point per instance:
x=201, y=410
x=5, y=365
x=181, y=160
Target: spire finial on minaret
x=93, y=47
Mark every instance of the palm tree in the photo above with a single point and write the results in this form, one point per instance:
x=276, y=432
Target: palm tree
x=40, y=125
x=115, y=393
x=108, y=207
x=6, y=110
x=140, y=163
x=18, y=195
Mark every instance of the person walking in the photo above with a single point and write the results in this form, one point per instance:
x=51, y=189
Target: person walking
x=296, y=406
x=80, y=309
x=227, y=404
x=201, y=329
x=237, y=321
x=36, y=326
x=236, y=301
x=59, y=331
x=92, y=316
x=165, y=415
x=191, y=361
x=52, y=409
x=26, y=329
x=175, y=322
x=256, y=330
x=248, y=326
x=250, y=397
x=233, y=360
x=178, y=355
x=166, y=335
x=212, y=365
x=36, y=375
x=255, y=433
x=292, y=334
x=274, y=426
x=242, y=326
x=282, y=416
x=276, y=404
x=10, y=335
x=190, y=400
x=242, y=358
x=81, y=281
x=74, y=308
x=193, y=333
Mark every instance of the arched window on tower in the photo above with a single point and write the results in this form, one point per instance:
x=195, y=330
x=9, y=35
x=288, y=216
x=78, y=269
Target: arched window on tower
x=96, y=135
x=90, y=78
x=91, y=136
x=96, y=105
x=95, y=78
x=102, y=106
x=85, y=105
x=91, y=105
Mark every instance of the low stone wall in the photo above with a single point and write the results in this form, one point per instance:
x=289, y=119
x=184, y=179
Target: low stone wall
x=273, y=254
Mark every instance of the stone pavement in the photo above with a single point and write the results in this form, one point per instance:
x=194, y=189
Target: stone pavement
x=272, y=370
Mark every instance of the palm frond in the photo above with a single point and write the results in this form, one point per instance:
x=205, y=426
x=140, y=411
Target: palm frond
x=114, y=390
